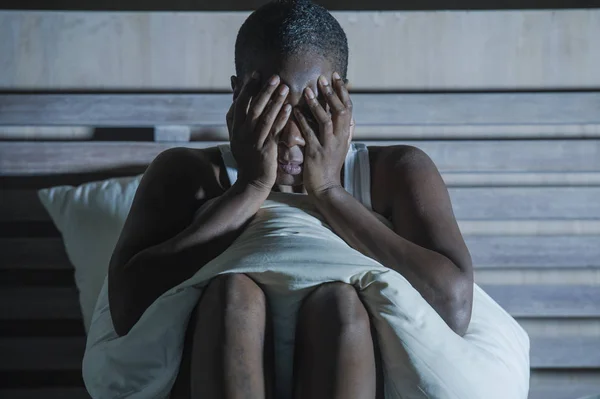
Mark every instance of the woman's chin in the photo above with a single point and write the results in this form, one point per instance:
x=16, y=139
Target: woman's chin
x=286, y=179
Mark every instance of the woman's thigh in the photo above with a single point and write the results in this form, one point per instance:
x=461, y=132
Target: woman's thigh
x=229, y=304
x=334, y=356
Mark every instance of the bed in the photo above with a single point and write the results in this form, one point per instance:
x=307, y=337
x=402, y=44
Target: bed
x=522, y=170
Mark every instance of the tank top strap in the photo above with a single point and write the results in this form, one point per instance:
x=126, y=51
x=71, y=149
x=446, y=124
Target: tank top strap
x=357, y=174
x=229, y=162
x=357, y=171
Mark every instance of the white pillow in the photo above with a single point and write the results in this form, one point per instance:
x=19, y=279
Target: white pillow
x=90, y=218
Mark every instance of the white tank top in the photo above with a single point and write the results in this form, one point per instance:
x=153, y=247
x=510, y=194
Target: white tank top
x=357, y=171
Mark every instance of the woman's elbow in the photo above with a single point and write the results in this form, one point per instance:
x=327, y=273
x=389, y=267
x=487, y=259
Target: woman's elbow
x=460, y=306
x=119, y=301
x=459, y=320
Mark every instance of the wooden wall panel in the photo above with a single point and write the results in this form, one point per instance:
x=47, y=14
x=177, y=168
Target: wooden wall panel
x=390, y=110
x=34, y=254
x=363, y=131
x=564, y=384
x=566, y=275
x=41, y=353
x=36, y=303
x=488, y=252
x=438, y=50
x=483, y=158
x=523, y=207
x=47, y=393
x=67, y=353
x=239, y=5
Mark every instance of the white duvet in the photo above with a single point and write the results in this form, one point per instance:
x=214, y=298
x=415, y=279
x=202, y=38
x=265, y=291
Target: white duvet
x=289, y=251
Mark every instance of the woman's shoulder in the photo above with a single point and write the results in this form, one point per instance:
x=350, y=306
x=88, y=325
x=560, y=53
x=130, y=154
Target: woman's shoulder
x=383, y=162
x=199, y=161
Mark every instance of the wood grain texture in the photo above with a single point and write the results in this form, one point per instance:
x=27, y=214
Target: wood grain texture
x=487, y=252
x=415, y=109
x=565, y=352
x=46, y=133
x=534, y=251
x=42, y=328
x=67, y=353
x=172, y=133
x=561, y=328
x=25, y=303
x=41, y=379
x=491, y=204
x=527, y=228
x=521, y=179
x=563, y=275
x=463, y=50
x=453, y=179
x=47, y=393
x=554, y=301
x=28, y=230
x=39, y=181
x=21, y=205
x=544, y=384
x=527, y=203
x=41, y=353
x=34, y=253
x=80, y=157
x=245, y=5
x=23, y=277
x=361, y=132
x=563, y=384
x=440, y=132
x=470, y=157
x=547, y=301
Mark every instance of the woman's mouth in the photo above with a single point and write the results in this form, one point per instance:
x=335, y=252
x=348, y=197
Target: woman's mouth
x=290, y=168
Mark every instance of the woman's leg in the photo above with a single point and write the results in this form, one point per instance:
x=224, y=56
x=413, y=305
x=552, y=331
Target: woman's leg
x=224, y=352
x=334, y=356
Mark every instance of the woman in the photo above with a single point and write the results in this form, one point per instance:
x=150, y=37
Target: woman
x=290, y=128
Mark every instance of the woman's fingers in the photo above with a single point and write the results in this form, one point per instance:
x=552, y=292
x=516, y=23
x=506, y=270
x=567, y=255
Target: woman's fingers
x=337, y=98
x=269, y=84
x=342, y=91
x=279, y=124
x=260, y=101
x=321, y=116
x=307, y=132
x=241, y=103
x=266, y=120
x=335, y=104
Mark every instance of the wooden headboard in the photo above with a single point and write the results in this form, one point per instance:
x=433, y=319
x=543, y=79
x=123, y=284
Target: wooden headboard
x=523, y=170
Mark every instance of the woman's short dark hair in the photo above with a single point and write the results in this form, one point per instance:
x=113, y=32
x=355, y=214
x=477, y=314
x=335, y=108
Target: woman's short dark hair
x=288, y=27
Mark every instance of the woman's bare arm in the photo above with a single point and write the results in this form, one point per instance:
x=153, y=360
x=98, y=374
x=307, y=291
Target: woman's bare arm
x=426, y=245
x=178, y=222
x=180, y=219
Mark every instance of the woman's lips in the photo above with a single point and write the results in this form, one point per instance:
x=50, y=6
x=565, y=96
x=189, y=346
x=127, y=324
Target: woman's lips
x=290, y=168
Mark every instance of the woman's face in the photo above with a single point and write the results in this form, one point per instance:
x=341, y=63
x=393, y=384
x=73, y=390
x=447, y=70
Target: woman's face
x=297, y=72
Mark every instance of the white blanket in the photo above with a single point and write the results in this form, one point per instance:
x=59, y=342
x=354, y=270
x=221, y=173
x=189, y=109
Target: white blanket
x=288, y=250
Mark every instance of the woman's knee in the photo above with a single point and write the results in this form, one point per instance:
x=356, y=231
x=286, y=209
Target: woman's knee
x=337, y=303
x=236, y=292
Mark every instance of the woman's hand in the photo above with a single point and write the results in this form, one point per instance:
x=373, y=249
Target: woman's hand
x=255, y=120
x=325, y=150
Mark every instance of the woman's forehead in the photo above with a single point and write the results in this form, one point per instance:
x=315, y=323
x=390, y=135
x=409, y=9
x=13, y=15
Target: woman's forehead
x=302, y=71
x=298, y=71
